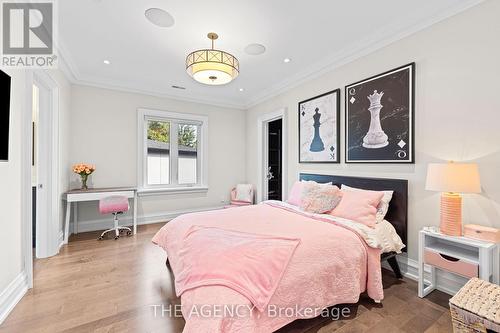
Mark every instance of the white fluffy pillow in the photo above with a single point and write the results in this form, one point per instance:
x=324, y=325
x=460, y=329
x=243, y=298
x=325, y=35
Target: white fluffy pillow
x=244, y=192
x=382, y=207
x=319, y=198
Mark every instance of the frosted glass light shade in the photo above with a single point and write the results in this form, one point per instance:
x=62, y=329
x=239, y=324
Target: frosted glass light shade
x=213, y=67
x=453, y=177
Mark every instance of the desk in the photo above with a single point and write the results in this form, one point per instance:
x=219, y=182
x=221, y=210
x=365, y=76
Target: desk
x=95, y=194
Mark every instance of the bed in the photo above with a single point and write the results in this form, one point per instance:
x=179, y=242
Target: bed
x=282, y=264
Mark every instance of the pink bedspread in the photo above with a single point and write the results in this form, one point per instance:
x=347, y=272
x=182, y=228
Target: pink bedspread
x=250, y=264
x=331, y=265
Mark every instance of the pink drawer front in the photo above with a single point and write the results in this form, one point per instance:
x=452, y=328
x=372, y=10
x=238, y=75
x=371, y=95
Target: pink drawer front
x=463, y=268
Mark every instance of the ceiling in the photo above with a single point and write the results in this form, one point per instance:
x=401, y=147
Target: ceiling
x=316, y=35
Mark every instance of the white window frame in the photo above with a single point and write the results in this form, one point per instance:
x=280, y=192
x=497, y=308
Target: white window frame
x=143, y=116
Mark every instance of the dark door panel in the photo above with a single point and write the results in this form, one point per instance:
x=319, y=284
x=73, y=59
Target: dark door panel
x=274, y=160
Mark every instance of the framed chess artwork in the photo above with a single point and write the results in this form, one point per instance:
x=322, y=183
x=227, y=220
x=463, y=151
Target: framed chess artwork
x=319, y=128
x=379, y=118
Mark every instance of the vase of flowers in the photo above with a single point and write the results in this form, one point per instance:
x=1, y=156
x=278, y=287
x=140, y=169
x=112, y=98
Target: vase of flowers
x=84, y=170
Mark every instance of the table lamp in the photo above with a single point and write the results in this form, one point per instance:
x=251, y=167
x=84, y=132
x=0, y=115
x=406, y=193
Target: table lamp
x=452, y=179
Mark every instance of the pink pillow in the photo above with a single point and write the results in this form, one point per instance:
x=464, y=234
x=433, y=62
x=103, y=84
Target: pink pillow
x=359, y=206
x=296, y=193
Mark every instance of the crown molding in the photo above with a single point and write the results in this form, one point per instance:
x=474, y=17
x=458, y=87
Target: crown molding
x=73, y=75
x=367, y=46
x=66, y=65
x=109, y=85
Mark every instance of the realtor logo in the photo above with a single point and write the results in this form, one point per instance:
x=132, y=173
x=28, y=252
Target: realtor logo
x=28, y=34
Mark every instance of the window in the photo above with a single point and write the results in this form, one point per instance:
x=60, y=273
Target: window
x=172, y=154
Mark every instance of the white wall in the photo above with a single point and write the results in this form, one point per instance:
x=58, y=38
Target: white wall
x=457, y=113
x=103, y=132
x=11, y=239
x=11, y=261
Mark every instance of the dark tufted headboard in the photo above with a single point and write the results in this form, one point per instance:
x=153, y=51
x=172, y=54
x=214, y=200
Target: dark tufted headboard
x=397, y=214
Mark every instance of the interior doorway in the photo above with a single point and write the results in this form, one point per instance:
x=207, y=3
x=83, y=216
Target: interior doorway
x=34, y=159
x=43, y=234
x=272, y=157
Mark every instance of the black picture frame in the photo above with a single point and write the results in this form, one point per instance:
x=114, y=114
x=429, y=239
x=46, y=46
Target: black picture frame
x=334, y=156
x=399, y=86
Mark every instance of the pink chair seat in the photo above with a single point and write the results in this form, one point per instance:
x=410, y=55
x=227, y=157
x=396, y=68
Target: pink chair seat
x=113, y=204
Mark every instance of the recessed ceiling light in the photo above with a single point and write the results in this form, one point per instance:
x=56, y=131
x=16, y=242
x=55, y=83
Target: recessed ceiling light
x=255, y=49
x=241, y=89
x=159, y=17
x=107, y=62
x=286, y=60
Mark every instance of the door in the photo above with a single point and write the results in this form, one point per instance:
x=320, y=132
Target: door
x=274, y=159
x=34, y=159
x=44, y=168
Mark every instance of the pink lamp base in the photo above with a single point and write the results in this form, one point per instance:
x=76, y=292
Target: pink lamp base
x=451, y=214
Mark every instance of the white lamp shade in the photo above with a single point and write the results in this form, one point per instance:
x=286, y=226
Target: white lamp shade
x=453, y=177
x=212, y=67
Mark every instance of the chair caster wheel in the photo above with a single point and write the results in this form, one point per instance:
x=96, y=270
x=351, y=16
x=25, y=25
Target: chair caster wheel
x=116, y=237
x=100, y=238
x=129, y=233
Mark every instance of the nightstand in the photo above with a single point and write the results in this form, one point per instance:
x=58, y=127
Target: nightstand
x=458, y=255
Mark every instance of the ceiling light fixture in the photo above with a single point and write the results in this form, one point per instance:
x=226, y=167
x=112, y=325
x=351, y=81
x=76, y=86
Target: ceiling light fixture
x=211, y=66
x=241, y=89
x=107, y=62
x=286, y=60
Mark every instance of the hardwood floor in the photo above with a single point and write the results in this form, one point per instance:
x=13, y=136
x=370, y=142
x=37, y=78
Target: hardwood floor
x=112, y=286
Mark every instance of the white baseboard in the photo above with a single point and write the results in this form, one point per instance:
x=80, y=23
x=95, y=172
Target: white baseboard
x=445, y=282
x=106, y=223
x=12, y=294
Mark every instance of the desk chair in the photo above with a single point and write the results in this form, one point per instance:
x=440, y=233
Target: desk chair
x=115, y=205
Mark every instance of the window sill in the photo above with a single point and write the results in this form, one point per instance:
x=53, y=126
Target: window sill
x=172, y=190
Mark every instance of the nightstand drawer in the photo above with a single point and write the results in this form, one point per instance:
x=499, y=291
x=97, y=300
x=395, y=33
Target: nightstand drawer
x=451, y=264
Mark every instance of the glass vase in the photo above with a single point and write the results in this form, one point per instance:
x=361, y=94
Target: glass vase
x=84, y=179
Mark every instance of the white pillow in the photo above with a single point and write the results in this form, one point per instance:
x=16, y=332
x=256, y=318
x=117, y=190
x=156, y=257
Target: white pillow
x=388, y=238
x=244, y=192
x=382, y=207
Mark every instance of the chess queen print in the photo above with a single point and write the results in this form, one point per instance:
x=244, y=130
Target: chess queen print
x=379, y=118
x=319, y=128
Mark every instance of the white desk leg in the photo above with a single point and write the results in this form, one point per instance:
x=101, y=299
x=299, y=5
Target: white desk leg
x=484, y=265
x=66, y=222
x=135, y=213
x=75, y=218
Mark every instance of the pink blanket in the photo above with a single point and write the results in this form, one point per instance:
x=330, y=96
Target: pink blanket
x=331, y=265
x=247, y=263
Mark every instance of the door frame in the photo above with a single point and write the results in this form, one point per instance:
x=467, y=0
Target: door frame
x=262, y=151
x=47, y=229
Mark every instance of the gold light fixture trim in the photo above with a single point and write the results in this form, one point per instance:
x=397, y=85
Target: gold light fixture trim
x=211, y=66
